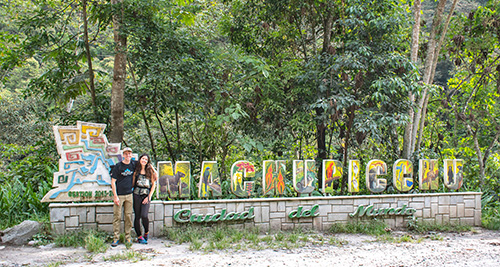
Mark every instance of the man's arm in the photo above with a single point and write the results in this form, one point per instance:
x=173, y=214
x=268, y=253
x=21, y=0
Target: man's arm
x=114, y=172
x=116, y=200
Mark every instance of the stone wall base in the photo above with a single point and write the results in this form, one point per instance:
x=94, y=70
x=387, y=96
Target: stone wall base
x=462, y=208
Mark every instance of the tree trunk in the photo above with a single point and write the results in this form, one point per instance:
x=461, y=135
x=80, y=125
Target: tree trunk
x=321, y=135
x=169, y=147
x=89, y=60
x=148, y=129
x=407, y=140
x=422, y=121
x=225, y=151
x=487, y=153
x=431, y=53
x=178, y=131
x=351, y=113
x=441, y=39
x=320, y=125
x=433, y=70
x=480, y=158
x=498, y=79
x=119, y=76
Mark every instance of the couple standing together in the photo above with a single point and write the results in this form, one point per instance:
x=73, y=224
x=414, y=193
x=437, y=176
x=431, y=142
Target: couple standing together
x=133, y=184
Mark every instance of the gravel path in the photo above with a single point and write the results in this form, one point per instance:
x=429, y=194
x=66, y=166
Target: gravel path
x=478, y=248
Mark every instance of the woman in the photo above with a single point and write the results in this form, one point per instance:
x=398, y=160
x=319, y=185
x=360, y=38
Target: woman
x=145, y=177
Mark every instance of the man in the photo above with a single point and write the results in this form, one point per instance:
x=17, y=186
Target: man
x=122, y=187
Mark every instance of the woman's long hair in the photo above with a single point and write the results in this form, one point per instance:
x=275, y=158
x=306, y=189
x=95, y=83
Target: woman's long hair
x=149, y=168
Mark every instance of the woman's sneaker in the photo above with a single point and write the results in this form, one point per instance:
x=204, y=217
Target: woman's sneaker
x=146, y=236
x=141, y=240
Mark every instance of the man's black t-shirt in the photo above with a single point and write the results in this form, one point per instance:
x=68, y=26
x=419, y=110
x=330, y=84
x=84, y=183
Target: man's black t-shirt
x=124, y=173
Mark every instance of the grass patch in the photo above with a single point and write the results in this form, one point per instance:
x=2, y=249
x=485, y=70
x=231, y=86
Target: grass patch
x=268, y=239
x=293, y=238
x=399, y=239
x=185, y=235
x=55, y=264
x=43, y=237
x=280, y=236
x=337, y=242
x=196, y=245
x=127, y=255
x=490, y=216
x=425, y=227
x=93, y=241
x=373, y=227
x=492, y=222
x=435, y=237
x=228, y=238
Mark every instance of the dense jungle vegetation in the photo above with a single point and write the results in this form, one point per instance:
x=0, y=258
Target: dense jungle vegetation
x=241, y=79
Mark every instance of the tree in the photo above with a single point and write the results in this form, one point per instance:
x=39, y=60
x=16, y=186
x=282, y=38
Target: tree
x=474, y=90
x=435, y=42
x=49, y=33
x=415, y=37
x=119, y=74
x=184, y=84
x=356, y=81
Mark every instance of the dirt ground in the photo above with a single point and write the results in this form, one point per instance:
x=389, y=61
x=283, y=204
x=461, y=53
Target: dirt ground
x=477, y=248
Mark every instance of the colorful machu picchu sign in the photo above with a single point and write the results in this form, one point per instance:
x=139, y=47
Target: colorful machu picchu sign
x=87, y=158
x=239, y=186
x=354, y=171
x=273, y=177
x=85, y=163
x=172, y=185
x=453, y=173
x=374, y=168
x=209, y=180
x=304, y=176
x=332, y=172
x=402, y=175
x=428, y=174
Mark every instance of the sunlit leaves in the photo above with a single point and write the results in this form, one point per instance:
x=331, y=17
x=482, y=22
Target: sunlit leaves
x=471, y=104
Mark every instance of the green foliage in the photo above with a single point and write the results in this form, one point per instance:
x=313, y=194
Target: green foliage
x=490, y=211
x=331, y=92
x=44, y=237
x=55, y=264
x=249, y=80
x=50, y=34
x=399, y=239
x=128, y=255
x=372, y=227
x=426, y=227
x=184, y=88
x=468, y=125
x=337, y=242
x=25, y=120
x=24, y=175
x=93, y=241
x=72, y=239
x=226, y=237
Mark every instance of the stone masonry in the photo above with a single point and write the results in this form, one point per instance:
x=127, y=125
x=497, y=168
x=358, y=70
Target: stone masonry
x=272, y=213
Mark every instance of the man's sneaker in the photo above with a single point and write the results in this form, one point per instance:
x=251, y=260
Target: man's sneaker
x=146, y=236
x=115, y=243
x=141, y=240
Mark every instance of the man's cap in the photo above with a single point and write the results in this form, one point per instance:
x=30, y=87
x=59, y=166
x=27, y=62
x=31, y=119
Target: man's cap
x=127, y=149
